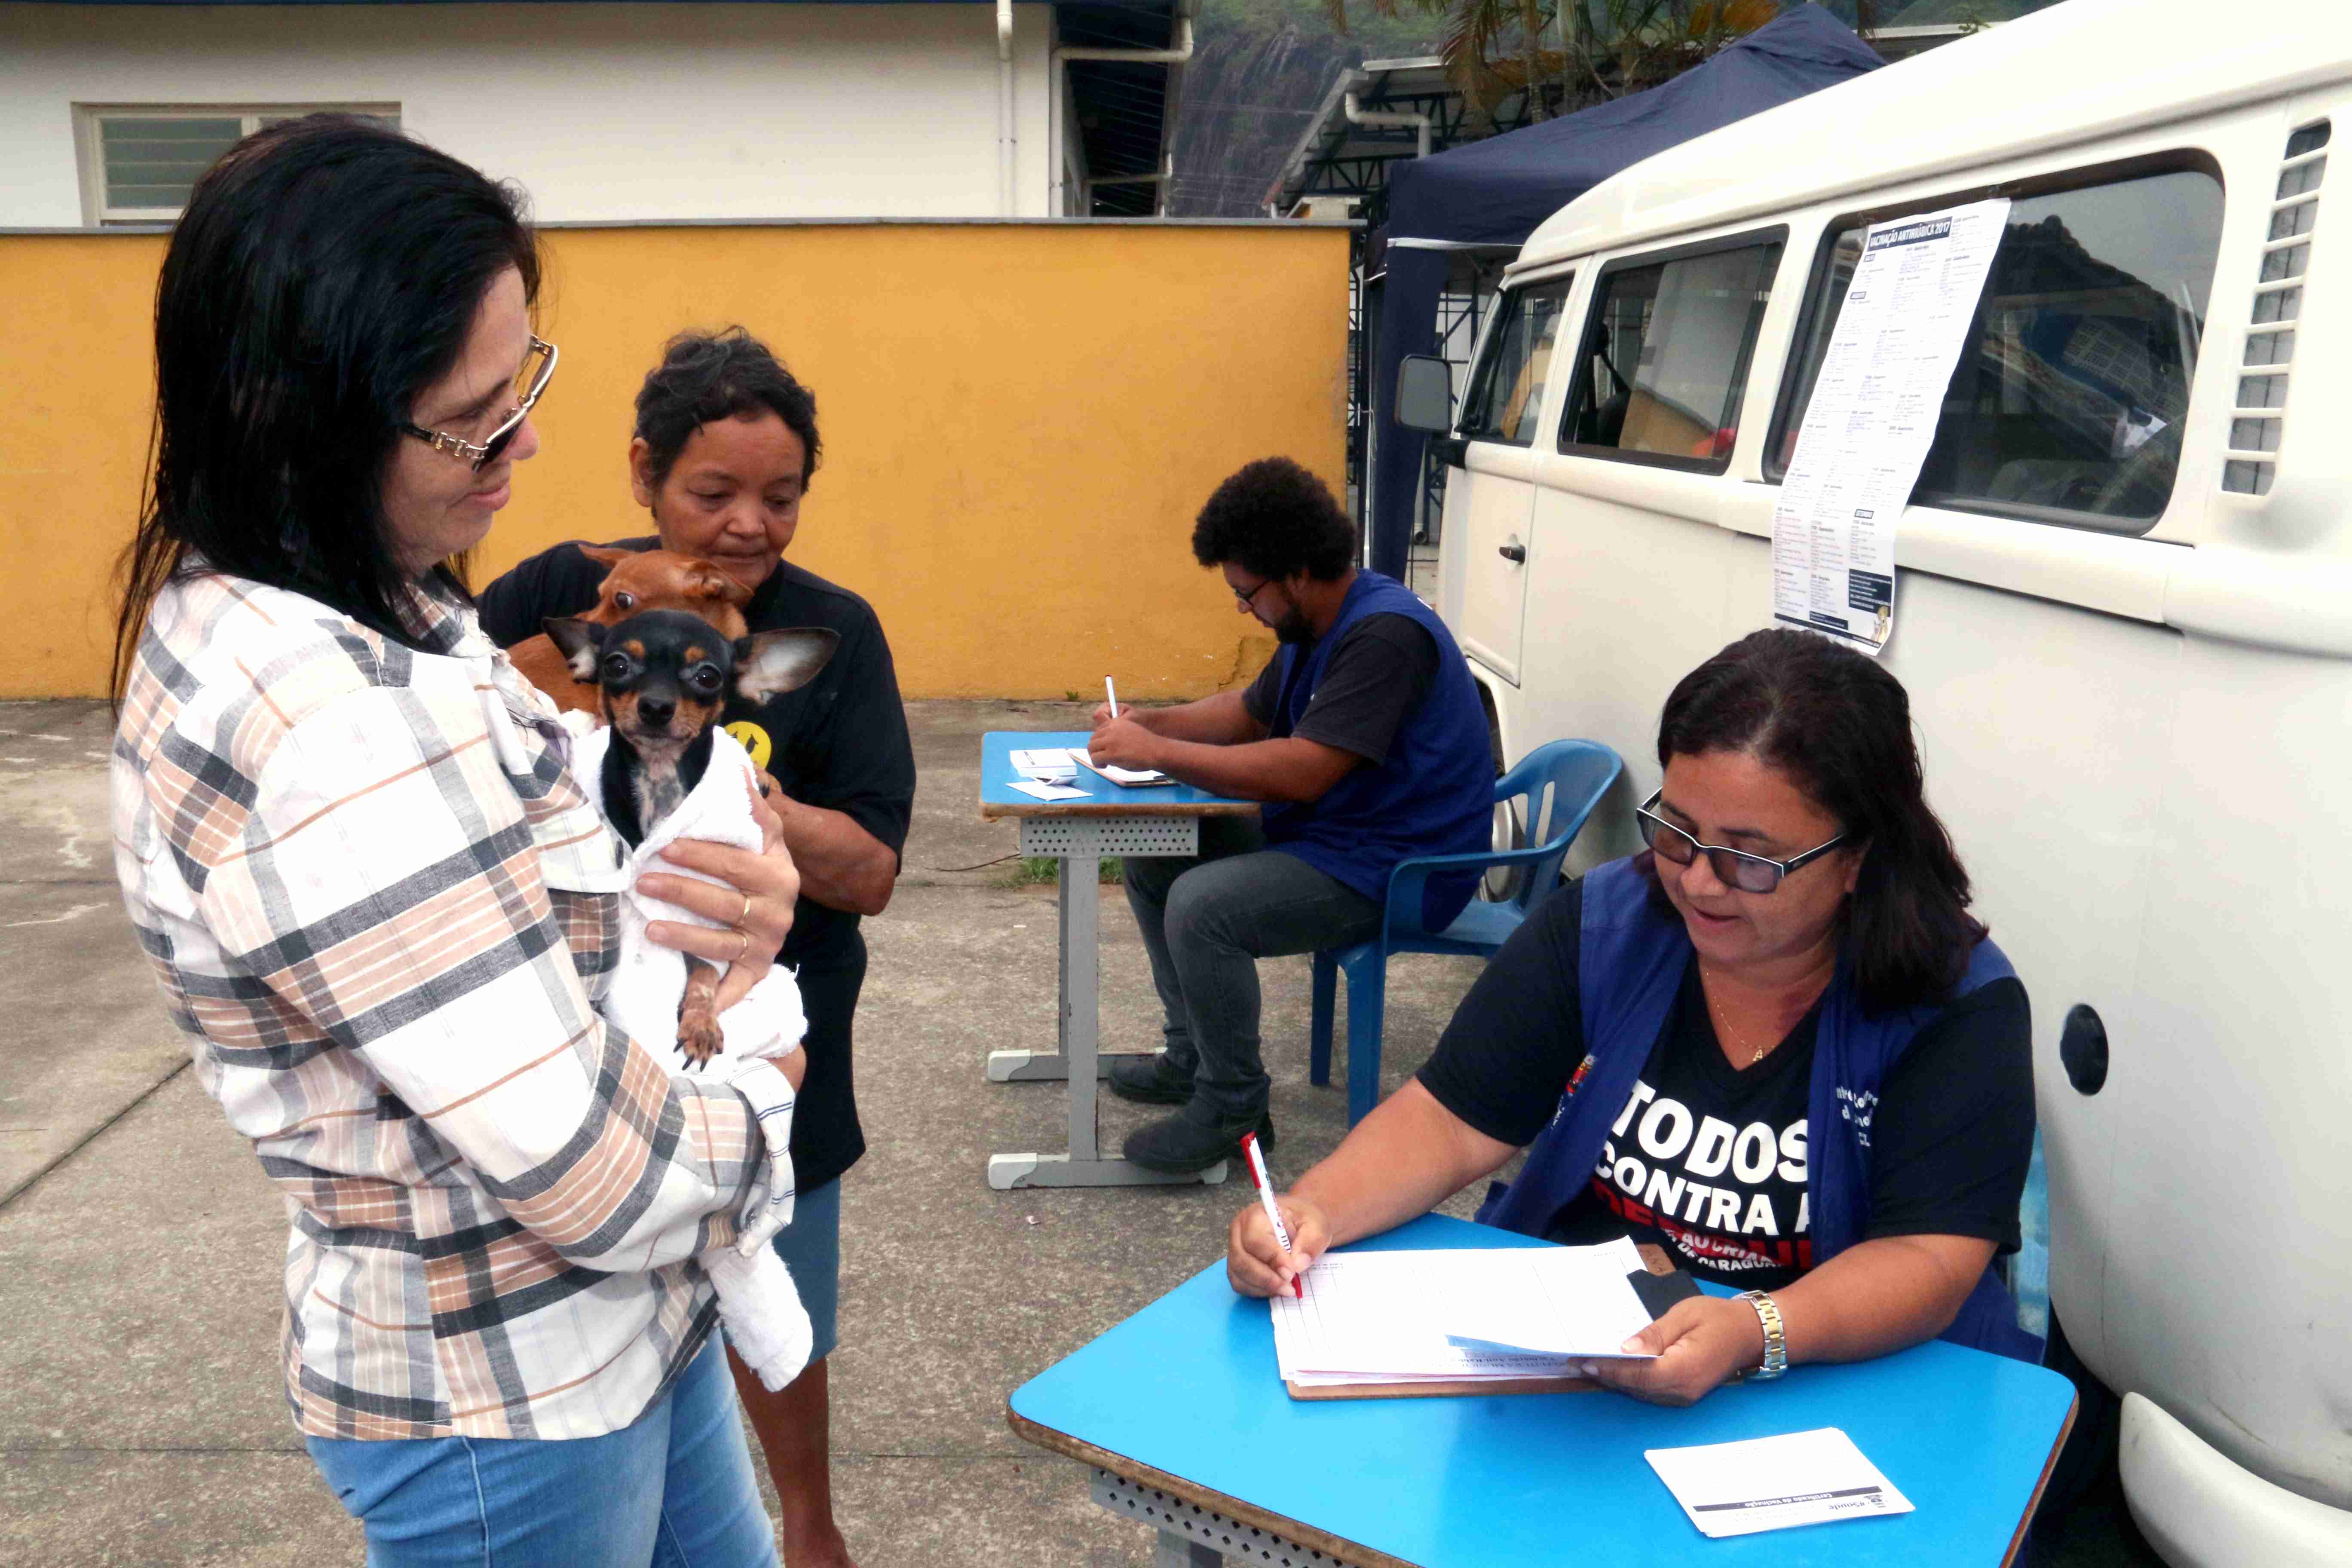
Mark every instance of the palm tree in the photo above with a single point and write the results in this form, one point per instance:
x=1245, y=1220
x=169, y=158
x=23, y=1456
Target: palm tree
x=1592, y=49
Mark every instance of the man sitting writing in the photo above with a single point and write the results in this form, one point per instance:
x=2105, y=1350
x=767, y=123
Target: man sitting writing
x=1365, y=739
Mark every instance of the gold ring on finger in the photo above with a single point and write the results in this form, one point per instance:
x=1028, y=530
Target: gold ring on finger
x=745, y=948
x=745, y=918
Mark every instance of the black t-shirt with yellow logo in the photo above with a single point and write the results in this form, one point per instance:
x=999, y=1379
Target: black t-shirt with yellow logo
x=839, y=742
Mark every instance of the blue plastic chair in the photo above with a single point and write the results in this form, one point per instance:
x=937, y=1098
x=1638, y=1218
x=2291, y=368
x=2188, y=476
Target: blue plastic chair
x=1575, y=775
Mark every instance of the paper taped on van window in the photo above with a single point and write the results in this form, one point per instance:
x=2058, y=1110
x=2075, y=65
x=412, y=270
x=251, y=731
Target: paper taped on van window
x=1872, y=417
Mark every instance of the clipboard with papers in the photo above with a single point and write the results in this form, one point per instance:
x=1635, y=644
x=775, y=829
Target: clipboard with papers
x=1374, y=1325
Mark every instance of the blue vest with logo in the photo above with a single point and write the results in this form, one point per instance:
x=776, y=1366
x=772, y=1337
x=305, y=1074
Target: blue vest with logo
x=1631, y=958
x=1433, y=795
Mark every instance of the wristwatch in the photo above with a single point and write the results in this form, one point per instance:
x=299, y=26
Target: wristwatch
x=1776, y=1344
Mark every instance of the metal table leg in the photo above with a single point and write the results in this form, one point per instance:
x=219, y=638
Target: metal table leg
x=1080, y=845
x=1053, y=1066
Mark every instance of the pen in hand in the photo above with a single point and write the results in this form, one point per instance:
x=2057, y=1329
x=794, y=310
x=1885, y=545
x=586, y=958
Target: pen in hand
x=1265, y=1183
x=1111, y=692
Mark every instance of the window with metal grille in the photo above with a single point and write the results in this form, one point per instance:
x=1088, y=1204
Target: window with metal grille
x=137, y=164
x=2256, y=424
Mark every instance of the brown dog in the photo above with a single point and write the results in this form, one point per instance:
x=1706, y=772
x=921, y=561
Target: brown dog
x=637, y=580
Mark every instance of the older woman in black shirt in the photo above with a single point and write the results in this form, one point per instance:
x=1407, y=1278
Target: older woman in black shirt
x=726, y=443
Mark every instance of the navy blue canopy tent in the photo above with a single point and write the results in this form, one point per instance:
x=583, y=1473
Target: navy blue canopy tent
x=1496, y=193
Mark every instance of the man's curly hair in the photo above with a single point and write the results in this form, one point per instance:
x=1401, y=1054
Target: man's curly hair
x=1273, y=518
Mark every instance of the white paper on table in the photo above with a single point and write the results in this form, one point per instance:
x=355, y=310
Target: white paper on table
x=1872, y=416
x=1046, y=789
x=1390, y=1317
x=1772, y=1483
x=1581, y=1305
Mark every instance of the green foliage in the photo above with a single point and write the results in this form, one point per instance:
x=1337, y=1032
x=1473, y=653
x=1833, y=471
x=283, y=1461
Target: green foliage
x=1044, y=870
x=1572, y=52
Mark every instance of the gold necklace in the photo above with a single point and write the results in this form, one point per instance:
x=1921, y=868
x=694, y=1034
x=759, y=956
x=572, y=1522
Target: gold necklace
x=1723, y=1025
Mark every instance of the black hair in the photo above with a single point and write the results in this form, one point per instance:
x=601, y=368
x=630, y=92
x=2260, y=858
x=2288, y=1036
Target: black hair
x=705, y=376
x=1273, y=518
x=1839, y=725
x=327, y=272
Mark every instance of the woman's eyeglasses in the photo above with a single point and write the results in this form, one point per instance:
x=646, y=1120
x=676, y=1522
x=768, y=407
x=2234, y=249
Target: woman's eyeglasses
x=1732, y=867
x=531, y=380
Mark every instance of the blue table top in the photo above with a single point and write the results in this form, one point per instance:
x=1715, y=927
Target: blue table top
x=1103, y=798
x=1188, y=1387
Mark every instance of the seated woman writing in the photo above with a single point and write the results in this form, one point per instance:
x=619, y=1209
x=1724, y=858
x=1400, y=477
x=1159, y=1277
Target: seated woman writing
x=1791, y=1058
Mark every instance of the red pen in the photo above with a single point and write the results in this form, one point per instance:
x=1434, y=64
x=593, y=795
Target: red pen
x=1265, y=1196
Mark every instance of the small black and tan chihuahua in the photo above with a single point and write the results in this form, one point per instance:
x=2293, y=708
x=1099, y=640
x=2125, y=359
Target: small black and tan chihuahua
x=662, y=677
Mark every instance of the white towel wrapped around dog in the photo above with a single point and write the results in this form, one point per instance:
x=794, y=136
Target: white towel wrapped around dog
x=766, y=1325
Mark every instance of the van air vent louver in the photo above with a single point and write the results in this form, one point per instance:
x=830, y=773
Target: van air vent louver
x=2278, y=302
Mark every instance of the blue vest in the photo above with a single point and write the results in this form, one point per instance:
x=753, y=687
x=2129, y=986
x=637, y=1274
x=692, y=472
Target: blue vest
x=1631, y=958
x=1434, y=795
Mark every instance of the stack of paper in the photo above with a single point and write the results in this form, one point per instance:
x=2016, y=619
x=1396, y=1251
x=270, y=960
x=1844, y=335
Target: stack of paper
x=1046, y=772
x=1047, y=764
x=1479, y=1315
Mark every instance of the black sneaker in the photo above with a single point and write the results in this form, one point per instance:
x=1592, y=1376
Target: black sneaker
x=1149, y=1079
x=1177, y=1145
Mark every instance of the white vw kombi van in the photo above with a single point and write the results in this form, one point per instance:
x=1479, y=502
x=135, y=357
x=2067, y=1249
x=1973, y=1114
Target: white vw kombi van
x=2124, y=613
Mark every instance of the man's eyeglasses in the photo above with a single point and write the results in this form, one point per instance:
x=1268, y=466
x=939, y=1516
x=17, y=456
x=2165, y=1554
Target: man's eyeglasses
x=531, y=380
x=1249, y=600
x=1733, y=867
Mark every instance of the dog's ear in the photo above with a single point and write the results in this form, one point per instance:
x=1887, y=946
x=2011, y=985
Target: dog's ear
x=579, y=641
x=711, y=582
x=768, y=664
x=604, y=555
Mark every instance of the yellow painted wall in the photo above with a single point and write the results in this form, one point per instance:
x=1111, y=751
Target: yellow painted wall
x=1020, y=424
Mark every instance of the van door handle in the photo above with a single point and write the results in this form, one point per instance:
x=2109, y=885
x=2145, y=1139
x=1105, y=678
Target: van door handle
x=1512, y=552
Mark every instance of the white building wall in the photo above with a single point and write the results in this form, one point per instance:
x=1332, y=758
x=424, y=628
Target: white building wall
x=602, y=111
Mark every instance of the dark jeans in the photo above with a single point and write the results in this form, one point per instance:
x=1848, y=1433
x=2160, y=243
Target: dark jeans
x=1206, y=922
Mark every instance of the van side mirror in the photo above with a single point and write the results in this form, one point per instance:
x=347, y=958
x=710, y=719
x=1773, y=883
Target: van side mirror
x=1424, y=394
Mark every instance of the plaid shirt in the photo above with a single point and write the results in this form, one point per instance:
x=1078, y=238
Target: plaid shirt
x=384, y=913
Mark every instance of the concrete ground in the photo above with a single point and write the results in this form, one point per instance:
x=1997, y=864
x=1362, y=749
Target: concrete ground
x=141, y=1414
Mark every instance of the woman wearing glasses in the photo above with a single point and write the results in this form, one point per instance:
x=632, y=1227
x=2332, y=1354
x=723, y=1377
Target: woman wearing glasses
x=1792, y=1059
x=381, y=906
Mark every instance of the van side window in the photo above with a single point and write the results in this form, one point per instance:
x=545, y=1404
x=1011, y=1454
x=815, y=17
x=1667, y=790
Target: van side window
x=1507, y=387
x=2072, y=383
x=1665, y=353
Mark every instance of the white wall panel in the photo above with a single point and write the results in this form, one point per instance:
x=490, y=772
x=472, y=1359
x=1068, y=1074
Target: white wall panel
x=603, y=112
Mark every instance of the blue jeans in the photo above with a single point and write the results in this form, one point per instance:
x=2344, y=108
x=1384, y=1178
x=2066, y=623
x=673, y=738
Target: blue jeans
x=811, y=1248
x=673, y=1489
x=1206, y=921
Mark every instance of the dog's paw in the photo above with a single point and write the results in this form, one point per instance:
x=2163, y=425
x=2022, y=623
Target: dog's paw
x=698, y=1039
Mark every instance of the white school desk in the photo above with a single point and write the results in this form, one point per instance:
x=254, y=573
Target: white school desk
x=1186, y=1426
x=1164, y=819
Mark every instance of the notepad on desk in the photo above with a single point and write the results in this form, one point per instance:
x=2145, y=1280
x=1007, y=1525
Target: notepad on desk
x=1772, y=1483
x=1130, y=778
x=1507, y=1319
